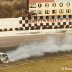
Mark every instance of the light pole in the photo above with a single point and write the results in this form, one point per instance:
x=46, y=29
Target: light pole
x=27, y=6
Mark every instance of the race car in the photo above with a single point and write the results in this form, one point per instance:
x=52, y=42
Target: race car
x=4, y=58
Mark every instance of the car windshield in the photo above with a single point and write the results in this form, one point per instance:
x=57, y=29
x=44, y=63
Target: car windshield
x=4, y=55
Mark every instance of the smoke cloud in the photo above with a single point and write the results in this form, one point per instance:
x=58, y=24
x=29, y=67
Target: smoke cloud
x=53, y=43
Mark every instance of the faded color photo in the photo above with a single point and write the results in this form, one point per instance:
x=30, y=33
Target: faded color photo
x=35, y=35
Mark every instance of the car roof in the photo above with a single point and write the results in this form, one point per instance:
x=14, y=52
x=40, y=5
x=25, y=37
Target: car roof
x=1, y=53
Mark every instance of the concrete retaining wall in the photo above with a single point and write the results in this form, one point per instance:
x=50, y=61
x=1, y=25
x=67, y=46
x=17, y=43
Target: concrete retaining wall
x=36, y=23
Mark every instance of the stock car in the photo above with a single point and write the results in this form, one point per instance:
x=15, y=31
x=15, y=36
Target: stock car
x=4, y=58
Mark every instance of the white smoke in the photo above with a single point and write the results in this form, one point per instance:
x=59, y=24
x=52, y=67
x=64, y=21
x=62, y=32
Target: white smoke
x=51, y=44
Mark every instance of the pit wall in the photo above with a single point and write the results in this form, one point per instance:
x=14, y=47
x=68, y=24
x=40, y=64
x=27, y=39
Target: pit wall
x=36, y=23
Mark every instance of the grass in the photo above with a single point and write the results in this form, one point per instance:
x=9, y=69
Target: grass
x=45, y=64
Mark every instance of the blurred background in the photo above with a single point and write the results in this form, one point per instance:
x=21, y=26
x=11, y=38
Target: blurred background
x=12, y=8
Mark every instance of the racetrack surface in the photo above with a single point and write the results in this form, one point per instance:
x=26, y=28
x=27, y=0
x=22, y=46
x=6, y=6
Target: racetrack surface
x=50, y=62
